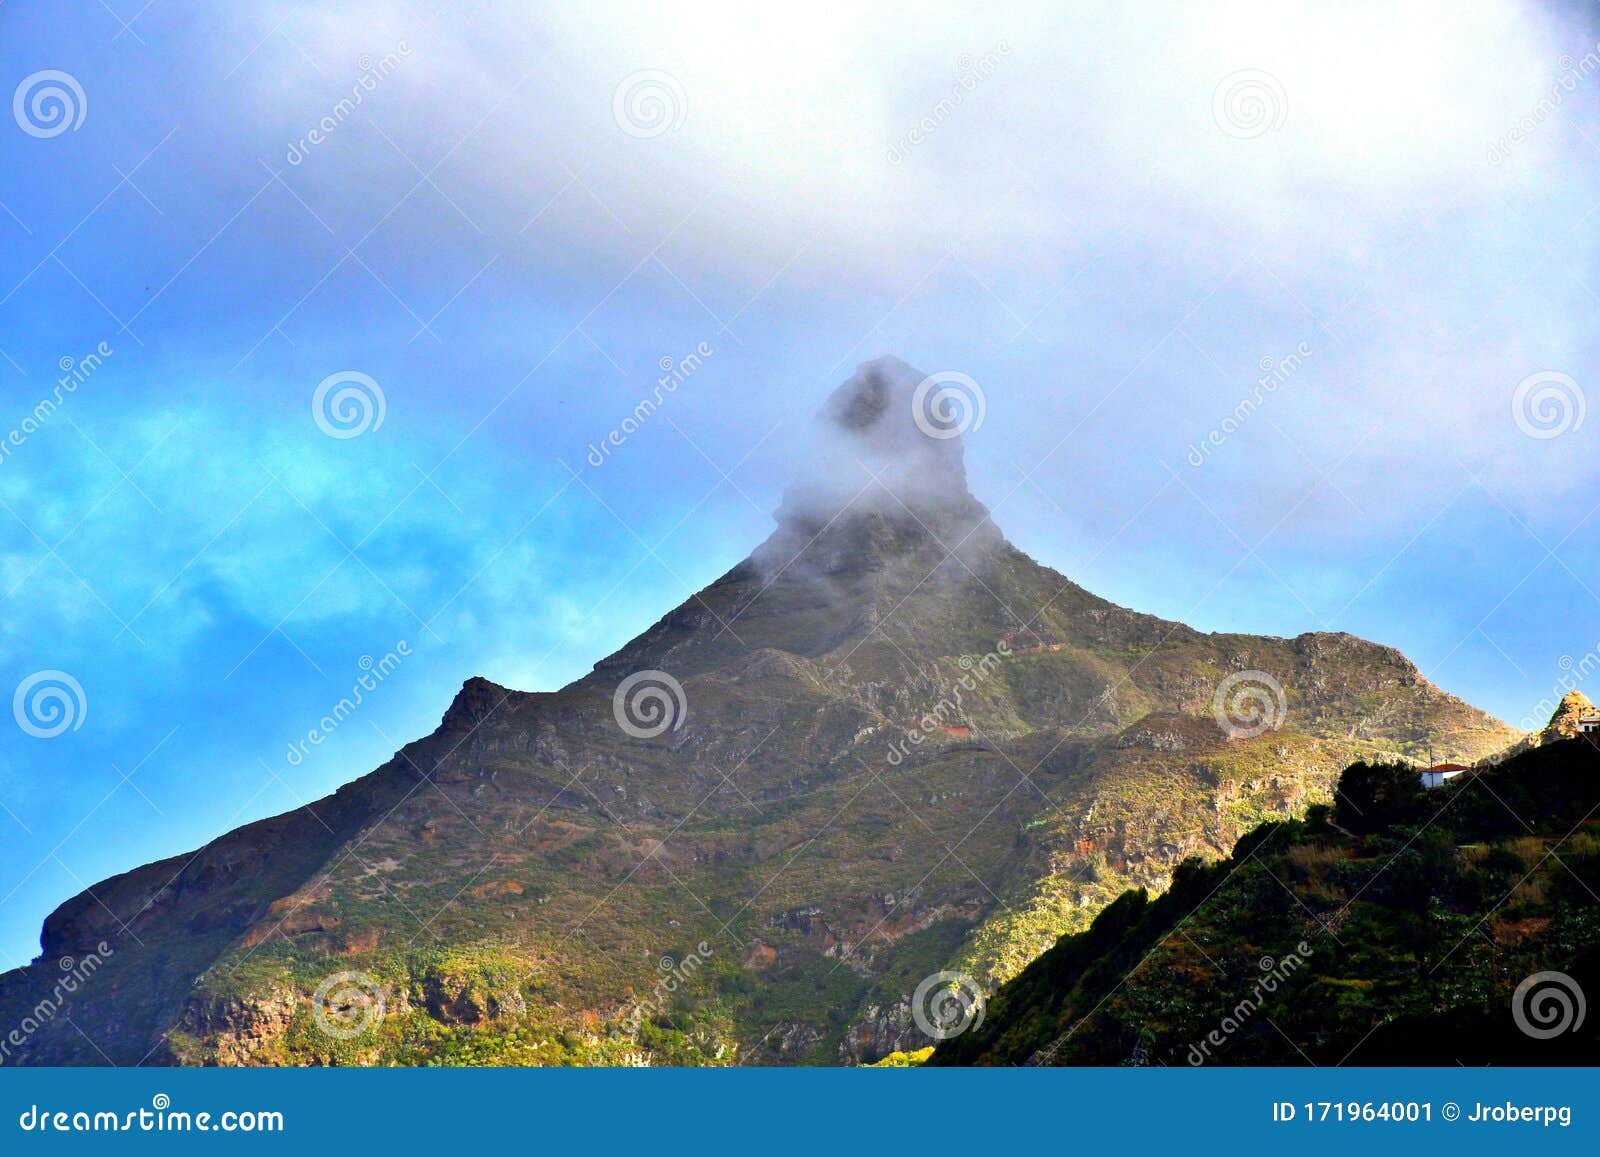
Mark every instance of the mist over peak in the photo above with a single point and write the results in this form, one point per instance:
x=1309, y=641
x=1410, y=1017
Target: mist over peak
x=888, y=441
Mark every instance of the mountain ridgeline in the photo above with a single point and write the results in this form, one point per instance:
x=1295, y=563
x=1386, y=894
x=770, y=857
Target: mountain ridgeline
x=885, y=745
x=1452, y=926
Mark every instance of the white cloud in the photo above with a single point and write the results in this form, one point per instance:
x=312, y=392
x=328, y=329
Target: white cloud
x=794, y=118
x=1090, y=148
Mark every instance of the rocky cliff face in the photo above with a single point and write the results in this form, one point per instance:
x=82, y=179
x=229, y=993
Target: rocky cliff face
x=887, y=744
x=1566, y=723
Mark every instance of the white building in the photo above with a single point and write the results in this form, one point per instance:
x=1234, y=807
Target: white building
x=1441, y=773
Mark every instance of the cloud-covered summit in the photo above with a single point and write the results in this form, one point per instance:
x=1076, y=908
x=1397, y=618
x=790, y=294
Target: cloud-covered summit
x=888, y=438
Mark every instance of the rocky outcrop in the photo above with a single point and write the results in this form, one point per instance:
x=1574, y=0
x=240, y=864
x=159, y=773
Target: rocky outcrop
x=1569, y=715
x=882, y=1029
x=239, y=1030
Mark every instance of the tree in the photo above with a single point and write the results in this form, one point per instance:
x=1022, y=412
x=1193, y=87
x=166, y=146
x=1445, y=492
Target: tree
x=1373, y=797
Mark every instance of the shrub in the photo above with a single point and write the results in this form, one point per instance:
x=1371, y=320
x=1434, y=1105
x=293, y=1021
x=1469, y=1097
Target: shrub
x=1374, y=796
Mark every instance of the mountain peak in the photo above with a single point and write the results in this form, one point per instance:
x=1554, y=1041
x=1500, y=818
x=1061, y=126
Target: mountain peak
x=902, y=426
x=1564, y=724
x=884, y=650
x=886, y=449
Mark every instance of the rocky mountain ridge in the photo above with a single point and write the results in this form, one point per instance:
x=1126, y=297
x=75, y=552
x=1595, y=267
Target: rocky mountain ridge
x=887, y=744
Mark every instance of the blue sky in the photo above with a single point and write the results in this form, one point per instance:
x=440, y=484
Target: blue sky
x=1116, y=224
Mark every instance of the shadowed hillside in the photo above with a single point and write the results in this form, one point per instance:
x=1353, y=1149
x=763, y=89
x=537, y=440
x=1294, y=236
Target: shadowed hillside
x=1454, y=926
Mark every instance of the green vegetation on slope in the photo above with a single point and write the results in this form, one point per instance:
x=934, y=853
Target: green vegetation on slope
x=1394, y=929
